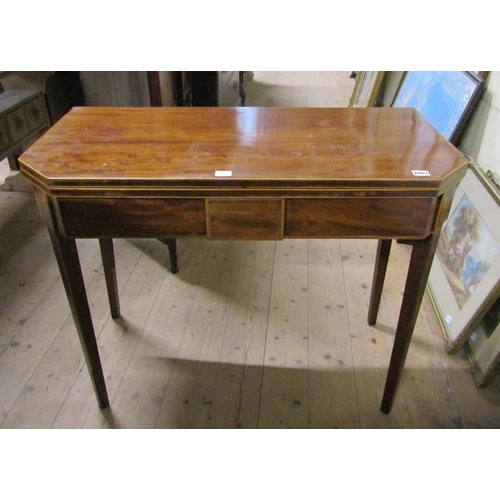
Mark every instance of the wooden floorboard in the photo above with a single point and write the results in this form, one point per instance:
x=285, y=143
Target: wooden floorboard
x=285, y=397
x=246, y=335
x=237, y=387
x=188, y=395
x=333, y=401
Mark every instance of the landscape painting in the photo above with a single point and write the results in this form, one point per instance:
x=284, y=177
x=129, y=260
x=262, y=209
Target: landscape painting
x=466, y=250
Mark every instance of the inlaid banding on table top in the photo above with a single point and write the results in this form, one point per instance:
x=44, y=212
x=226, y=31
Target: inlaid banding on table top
x=204, y=192
x=334, y=188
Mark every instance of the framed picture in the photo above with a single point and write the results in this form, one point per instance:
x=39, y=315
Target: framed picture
x=483, y=347
x=464, y=281
x=445, y=99
x=366, y=89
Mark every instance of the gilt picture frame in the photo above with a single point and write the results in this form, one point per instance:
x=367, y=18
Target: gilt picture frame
x=366, y=89
x=483, y=347
x=464, y=281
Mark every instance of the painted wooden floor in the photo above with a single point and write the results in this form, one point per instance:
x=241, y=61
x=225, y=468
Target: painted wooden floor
x=246, y=335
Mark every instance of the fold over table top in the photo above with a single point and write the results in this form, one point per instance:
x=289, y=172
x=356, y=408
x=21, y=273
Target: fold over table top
x=165, y=148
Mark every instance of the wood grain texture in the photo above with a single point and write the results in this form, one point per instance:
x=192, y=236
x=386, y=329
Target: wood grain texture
x=359, y=218
x=245, y=219
x=133, y=218
x=119, y=147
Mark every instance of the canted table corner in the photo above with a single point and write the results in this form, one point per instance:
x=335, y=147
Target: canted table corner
x=244, y=174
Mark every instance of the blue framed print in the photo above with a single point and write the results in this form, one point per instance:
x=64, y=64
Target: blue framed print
x=445, y=99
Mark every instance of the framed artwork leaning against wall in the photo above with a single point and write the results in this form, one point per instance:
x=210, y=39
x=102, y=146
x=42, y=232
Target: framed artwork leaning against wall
x=483, y=347
x=464, y=281
x=445, y=98
x=366, y=89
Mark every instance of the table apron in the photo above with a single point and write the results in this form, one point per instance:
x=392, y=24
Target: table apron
x=236, y=218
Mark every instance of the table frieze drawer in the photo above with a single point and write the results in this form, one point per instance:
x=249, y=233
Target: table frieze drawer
x=360, y=218
x=237, y=219
x=131, y=217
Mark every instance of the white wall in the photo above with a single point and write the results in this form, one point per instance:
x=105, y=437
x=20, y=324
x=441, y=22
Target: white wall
x=481, y=138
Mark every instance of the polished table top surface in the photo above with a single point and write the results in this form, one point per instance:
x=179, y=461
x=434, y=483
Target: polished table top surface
x=334, y=147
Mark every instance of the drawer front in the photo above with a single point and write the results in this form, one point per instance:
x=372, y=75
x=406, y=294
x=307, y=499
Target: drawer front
x=234, y=219
x=17, y=125
x=35, y=114
x=359, y=218
x=132, y=217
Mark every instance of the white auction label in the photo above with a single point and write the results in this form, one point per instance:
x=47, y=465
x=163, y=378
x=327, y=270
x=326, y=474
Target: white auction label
x=223, y=173
x=448, y=319
x=421, y=173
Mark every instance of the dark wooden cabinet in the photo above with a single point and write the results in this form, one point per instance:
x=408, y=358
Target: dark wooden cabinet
x=23, y=117
x=210, y=88
x=128, y=88
x=60, y=90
